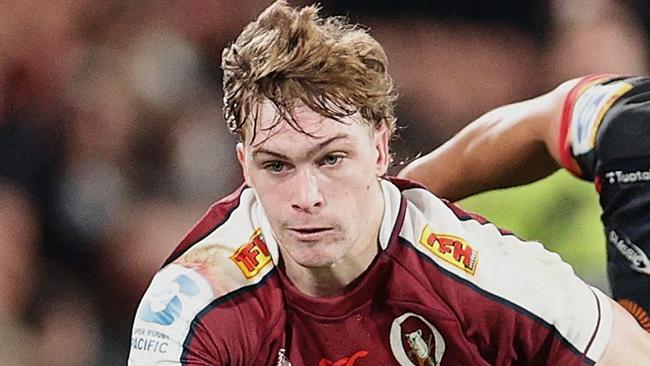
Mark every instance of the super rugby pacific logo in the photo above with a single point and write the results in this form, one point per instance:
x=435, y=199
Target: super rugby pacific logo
x=164, y=307
x=416, y=342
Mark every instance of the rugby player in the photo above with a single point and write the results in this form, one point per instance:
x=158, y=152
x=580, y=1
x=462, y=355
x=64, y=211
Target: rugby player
x=319, y=259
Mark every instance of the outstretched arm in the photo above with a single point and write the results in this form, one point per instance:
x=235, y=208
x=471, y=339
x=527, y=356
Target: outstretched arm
x=508, y=146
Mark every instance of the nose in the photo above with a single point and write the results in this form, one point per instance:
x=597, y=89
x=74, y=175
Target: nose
x=307, y=195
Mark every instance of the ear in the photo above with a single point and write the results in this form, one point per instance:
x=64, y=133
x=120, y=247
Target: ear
x=383, y=155
x=241, y=157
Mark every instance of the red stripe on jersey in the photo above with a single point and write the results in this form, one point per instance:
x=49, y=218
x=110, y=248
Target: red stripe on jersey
x=566, y=158
x=216, y=215
x=598, y=183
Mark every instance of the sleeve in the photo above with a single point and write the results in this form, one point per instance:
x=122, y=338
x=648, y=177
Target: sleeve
x=517, y=302
x=584, y=110
x=164, y=329
x=534, y=306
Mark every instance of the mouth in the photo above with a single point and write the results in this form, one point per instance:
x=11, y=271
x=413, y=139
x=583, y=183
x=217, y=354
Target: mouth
x=309, y=234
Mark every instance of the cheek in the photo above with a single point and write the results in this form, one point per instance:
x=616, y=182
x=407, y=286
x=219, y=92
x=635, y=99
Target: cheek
x=269, y=195
x=354, y=196
x=271, y=201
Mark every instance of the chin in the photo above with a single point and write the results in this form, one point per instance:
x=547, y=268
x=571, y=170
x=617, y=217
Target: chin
x=315, y=257
x=314, y=260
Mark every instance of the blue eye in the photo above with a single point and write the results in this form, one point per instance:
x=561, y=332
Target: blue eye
x=331, y=159
x=274, y=167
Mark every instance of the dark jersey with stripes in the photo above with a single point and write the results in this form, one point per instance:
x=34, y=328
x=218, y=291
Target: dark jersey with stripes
x=605, y=137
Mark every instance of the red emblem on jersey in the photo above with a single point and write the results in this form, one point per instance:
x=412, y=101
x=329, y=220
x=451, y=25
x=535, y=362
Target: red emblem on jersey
x=451, y=249
x=345, y=361
x=253, y=256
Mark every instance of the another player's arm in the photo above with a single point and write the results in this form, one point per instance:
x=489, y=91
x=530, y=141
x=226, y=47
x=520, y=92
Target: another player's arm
x=629, y=344
x=508, y=146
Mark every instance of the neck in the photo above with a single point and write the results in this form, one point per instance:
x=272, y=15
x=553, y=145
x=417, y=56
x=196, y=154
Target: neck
x=334, y=278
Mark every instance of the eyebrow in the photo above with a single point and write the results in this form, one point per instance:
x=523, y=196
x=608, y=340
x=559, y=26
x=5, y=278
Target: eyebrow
x=311, y=152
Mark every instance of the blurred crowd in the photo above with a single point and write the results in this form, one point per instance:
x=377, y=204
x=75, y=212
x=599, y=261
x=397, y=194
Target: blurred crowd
x=112, y=141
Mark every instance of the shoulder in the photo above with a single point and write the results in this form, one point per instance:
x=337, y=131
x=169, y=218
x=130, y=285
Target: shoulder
x=223, y=258
x=526, y=280
x=452, y=238
x=227, y=246
x=166, y=311
x=470, y=247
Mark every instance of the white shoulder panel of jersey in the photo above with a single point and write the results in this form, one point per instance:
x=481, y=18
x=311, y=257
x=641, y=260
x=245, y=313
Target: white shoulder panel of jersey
x=163, y=319
x=520, y=272
x=233, y=256
x=589, y=109
x=236, y=254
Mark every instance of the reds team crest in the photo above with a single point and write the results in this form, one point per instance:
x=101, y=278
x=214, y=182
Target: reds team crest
x=416, y=342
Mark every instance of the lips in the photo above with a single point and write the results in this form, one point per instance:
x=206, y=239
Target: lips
x=309, y=233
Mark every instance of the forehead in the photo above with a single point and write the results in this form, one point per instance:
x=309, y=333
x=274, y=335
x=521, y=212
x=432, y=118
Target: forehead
x=272, y=130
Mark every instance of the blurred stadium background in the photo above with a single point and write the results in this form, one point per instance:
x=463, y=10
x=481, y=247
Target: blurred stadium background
x=112, y=142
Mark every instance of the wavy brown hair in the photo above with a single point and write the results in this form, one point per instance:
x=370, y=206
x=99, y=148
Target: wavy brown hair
x=290, y=56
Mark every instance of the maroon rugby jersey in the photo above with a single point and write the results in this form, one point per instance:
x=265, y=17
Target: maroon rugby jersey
x=446, y=288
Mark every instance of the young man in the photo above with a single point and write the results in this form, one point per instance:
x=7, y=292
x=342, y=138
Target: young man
x=597, y=127
x=318, y=260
